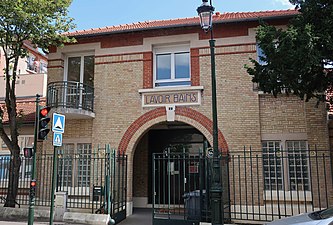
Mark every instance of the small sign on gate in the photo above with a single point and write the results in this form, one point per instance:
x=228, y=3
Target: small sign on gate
x=194, y=168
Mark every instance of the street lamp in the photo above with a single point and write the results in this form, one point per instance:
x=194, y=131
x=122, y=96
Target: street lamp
x=205, y=12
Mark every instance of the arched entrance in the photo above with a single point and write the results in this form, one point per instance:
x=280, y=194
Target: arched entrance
x=137, y=141
x=165, y=137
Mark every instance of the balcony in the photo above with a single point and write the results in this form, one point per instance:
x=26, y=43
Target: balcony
x=74, y=99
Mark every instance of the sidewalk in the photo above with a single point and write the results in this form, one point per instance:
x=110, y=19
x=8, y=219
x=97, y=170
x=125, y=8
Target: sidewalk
x=139, y=217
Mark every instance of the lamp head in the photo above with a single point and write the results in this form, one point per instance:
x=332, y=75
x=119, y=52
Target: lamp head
x=205, y=12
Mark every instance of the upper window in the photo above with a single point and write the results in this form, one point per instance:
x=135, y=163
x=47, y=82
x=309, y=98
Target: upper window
x=42, y=67
x=260, y=54
x=172, y=66
x=80, y=68
x=31, y=63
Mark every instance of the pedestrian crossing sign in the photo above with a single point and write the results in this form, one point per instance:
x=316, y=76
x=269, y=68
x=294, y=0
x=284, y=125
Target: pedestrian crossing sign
x=57, y=139
x=58, y=123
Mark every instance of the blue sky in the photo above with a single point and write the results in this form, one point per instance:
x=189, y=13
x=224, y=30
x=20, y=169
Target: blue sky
x=100, y=13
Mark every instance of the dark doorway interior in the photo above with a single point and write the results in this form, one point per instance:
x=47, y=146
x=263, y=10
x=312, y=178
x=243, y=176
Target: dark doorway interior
x=165, y=137
x=176, y=139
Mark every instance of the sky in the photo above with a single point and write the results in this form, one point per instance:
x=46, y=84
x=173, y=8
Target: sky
x=101, y=13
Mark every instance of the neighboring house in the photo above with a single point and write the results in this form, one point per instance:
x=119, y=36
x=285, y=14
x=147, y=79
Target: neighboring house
x=31, y=80
x=145, y=88
x=34, y=63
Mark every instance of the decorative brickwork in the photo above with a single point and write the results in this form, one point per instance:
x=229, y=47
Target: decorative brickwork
x=195, y=67
x=148, y=70
x=181, y=111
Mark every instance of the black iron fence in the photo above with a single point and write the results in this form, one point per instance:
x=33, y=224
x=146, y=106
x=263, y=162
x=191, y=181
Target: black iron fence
x=257, y=185
x=95, y=181
x=70, y=94
x=271, y=184
x=181, y=188
x=45, y=170
x=24, y=180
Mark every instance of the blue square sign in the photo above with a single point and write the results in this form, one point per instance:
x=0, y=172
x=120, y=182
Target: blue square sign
x=58, y=123
x=57, y=139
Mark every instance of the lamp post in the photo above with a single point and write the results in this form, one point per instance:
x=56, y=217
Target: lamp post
x=205, y=12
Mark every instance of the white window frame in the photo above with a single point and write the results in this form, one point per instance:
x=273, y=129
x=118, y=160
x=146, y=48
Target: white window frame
x=81, y=55
x=171, y=49
x=286, y=179
x=76, y=188
x=21, y=142
x=272, y=194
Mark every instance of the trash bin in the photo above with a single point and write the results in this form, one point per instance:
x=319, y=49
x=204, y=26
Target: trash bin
x=192, y=204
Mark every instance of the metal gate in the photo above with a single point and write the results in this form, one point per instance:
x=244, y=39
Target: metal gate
x=94, y=180
x=181, y=188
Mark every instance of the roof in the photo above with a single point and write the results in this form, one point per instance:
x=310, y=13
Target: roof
x=26, y=107
x=194, y=21
x=33, y=49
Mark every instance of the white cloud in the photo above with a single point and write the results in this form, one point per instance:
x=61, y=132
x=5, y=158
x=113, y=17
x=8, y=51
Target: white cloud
x=284, y=2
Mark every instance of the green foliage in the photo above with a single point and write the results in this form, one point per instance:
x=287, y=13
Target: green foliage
x=39, y=21
x=297, y=59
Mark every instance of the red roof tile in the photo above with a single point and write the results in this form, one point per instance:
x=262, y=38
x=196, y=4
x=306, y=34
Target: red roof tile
x=25, y=107
x=218, y=18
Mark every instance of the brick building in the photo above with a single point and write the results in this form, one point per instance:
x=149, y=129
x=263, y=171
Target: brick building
x=146, y=87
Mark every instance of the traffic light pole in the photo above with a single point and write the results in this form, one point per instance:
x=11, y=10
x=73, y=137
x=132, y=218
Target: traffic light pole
x=33, y=170
x=55, y=158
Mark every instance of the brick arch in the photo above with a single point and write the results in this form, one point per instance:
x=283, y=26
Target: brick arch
x=205, y=122
x=191, y=117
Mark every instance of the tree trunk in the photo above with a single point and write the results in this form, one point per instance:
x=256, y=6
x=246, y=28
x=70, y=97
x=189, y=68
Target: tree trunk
x=13, y=183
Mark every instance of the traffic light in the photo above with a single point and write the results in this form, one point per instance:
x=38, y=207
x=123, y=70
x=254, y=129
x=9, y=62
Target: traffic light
x=42, y=123
x=33, y=184
x=28, y=152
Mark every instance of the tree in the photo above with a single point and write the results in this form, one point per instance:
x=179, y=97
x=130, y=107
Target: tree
x=41, y=22
x=298, y=59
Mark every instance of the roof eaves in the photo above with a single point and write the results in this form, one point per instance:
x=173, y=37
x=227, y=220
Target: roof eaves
x=221, y=21
x=134, y=30
x=256, y=19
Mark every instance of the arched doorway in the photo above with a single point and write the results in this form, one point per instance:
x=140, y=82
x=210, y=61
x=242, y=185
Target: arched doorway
x=165, y=137
x=135, y=144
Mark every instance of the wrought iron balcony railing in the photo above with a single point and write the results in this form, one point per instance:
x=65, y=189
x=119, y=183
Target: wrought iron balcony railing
x=70, y=94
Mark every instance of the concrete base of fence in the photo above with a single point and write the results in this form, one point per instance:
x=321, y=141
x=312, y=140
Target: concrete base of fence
x=129, y=208
x=22, y=213
x=60, y=205
x=86, y=218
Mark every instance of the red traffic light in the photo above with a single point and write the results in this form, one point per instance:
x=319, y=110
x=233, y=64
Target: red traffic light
x=44, y=111
x=33, y=183
x=43, y=121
